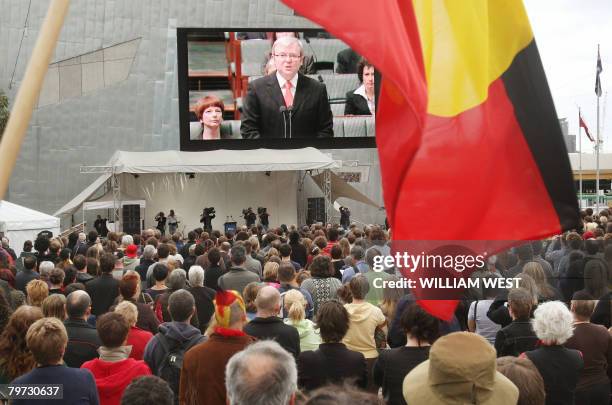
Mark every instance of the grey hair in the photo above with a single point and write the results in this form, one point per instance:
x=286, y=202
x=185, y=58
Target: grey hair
x=77, y=303
x=553, y=322
x=148, y=252
x=287, y=41
x=262, y=374
x=196, y=276
x=82, y=237
x=357, y=252
x=127, y=240
x=45, y=267
x=177, y=279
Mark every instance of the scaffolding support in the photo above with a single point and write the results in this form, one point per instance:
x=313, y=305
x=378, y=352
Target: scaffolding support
x=116, y=185
x=327, y=194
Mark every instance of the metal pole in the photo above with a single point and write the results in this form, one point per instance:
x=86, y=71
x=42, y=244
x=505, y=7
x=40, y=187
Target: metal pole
x=327, y=194
x=597, y=147
x=580, y=158
x=29, y=90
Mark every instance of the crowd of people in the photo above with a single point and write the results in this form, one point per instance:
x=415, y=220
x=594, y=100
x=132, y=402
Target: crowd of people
x=294, y=315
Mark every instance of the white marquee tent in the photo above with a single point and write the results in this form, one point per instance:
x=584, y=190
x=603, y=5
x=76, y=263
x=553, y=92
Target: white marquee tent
x=19, y=224
x=228, y=180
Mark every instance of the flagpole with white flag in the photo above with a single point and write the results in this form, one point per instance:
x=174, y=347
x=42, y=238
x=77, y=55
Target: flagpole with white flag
x=599, y=69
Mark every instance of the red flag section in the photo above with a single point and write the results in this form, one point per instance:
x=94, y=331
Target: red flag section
x=468, y=138
x=583, y=125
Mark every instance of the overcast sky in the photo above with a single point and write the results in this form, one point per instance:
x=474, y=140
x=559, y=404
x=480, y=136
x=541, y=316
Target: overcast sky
x=567, y=33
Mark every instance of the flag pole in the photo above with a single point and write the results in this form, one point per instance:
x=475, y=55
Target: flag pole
x=597, y=147
x=29, y=90
x=580, y=159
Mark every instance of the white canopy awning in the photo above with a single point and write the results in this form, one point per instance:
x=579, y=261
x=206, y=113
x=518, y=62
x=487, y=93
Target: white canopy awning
x=216, y=161
x=221, y=161
x=20, y=224
x=16, y=217
x=107, y=202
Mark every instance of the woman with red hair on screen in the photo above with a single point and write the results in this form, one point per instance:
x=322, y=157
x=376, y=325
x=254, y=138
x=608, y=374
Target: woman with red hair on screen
x=209, y=112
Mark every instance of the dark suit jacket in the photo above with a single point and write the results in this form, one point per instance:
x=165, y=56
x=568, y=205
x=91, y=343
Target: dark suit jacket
x=347, y=61
x=274, y=328
x=311, y=117
x=331, y=363
x=356, y=105
x=83, y=342
x=103, y=290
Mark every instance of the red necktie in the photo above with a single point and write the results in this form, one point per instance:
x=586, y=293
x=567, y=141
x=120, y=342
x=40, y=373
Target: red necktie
x=288, y=96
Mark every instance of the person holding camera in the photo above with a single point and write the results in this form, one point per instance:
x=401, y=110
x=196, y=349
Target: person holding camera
x=263, y=218
x=161, y=222
x=250, y=217
x=208, y=214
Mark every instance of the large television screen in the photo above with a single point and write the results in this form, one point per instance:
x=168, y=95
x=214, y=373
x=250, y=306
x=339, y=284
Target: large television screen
x=237, y=90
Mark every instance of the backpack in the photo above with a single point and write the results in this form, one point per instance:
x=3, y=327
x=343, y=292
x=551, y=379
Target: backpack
x=169, y=369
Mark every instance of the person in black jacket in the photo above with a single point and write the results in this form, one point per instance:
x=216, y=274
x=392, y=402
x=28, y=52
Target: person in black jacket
x=361, y=100
x=267, y=324
x=332, y=362
x=560, y=367
x=104, y=289
x=83, y=340
x=393, y=365
x=518, y=337
x=287, y=104
x=204, y=297
x=298, y=251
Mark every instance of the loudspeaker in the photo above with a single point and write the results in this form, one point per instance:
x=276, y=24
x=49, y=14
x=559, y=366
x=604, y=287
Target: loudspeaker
x=316, y=210
x=131, y=219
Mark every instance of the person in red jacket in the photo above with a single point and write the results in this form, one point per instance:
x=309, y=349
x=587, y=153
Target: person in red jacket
x=114, y=370
x=137, y=338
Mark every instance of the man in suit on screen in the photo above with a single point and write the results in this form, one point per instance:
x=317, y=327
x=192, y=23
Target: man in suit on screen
x=286, y=104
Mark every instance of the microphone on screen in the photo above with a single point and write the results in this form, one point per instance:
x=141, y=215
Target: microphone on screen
x=283, y=111
x=290, y=110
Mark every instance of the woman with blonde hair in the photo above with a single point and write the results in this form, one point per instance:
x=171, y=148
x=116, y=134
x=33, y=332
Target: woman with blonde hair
x=294, y=305
x=546, y=292
x=37, y=291
x=137, y=338
x=270, y=274
x=345, y=245
x=15, y=357
x=271, y=253
x=55, y=306
x=249, y=295
x=391, y=297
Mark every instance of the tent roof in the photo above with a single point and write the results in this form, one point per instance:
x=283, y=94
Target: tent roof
x=16, y=217
x=107, y=201
x=215, y=161
x=221, y=161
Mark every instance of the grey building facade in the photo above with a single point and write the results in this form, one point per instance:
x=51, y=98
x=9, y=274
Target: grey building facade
x=112, y=85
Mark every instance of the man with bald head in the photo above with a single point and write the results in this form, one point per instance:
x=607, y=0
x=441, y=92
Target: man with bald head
x=83, y=340
x=267, y=324
x=286, y=104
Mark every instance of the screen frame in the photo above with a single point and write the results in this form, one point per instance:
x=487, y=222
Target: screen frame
x=186, y=144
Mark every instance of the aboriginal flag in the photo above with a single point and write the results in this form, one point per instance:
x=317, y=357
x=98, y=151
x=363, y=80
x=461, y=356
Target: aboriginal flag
x=469, y=142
